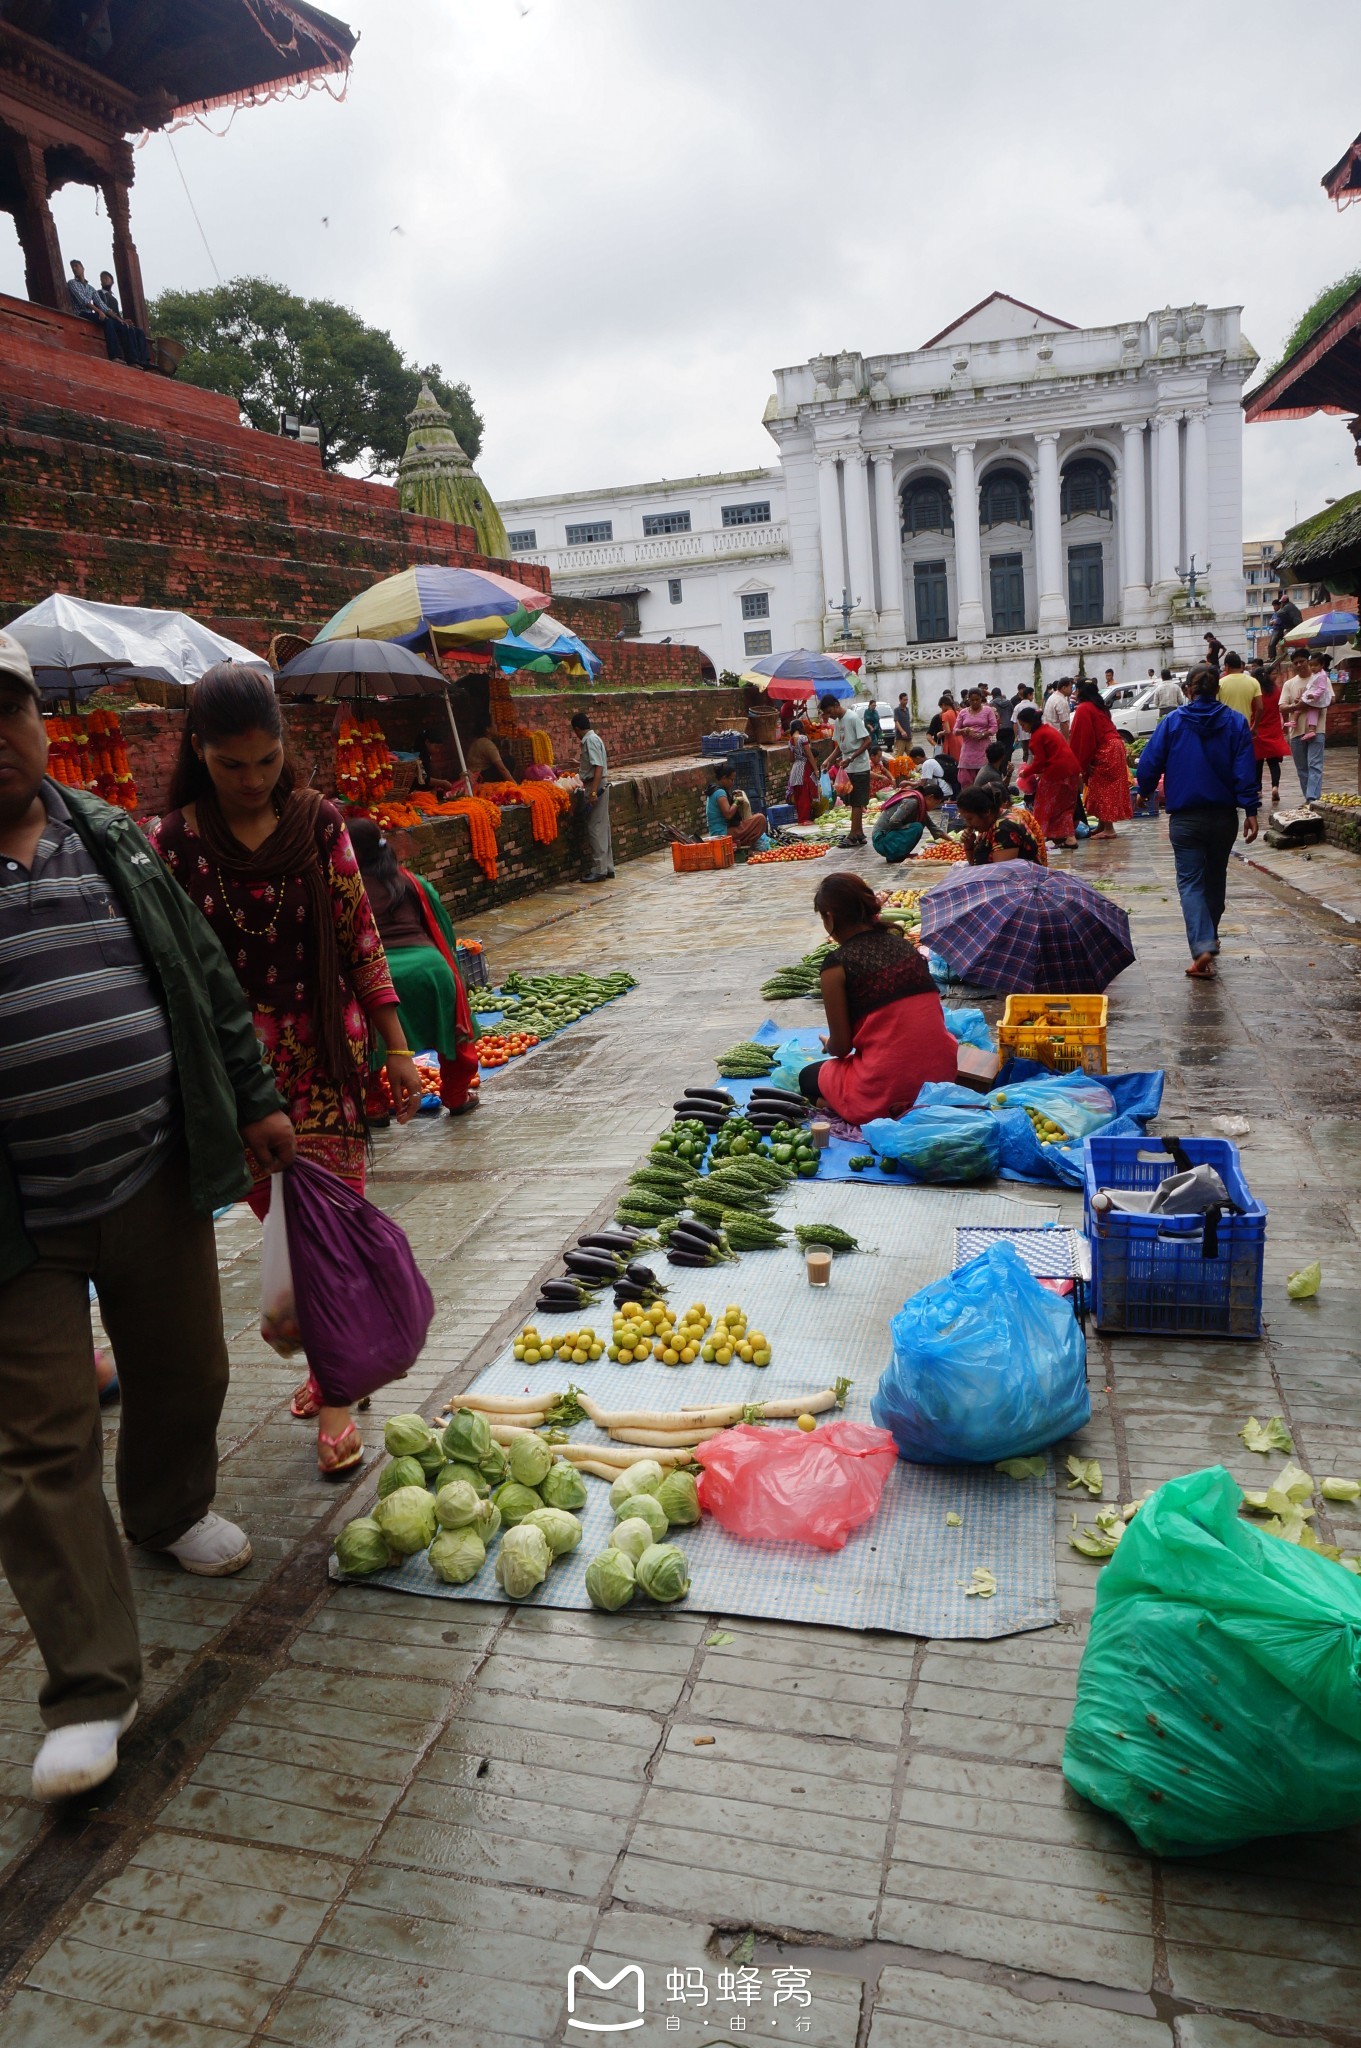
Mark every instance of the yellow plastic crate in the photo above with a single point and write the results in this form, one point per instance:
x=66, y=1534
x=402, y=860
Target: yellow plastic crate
x=1062, y=1032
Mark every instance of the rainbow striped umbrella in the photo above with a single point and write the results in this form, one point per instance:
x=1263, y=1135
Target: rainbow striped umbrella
x=458, y=604
x=799, y=673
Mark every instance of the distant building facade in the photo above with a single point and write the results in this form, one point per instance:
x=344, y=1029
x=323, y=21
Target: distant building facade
x=1018, y=491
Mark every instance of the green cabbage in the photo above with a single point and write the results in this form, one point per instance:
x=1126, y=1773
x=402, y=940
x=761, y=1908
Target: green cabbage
x=431, y=1456
x=610, y=1581
x=678, y=1497
x=564, y=1486
x=401, y=1472
x=362, y=1547
x=562, y=1531
x=515, y=1502
x=488, y=1519
x=633, y=1536
x=649, y=1508
x=467, y=1436
x=493, y=1467
x=406, y=1436
x=643, y=1477
x=457, y=1505
x=407, y=1519
x=529, y=1459
x=447, y=1474
x=457, y=1555
x=661, y=1572
x=522, y=1560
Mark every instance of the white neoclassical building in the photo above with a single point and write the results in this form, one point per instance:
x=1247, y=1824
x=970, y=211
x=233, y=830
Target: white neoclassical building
x=1018, y=491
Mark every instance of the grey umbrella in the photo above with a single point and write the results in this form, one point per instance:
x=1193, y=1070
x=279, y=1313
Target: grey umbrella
x=354, y=668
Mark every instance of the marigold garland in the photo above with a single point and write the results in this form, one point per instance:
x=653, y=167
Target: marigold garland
x=89, y=754
x=364, y=764
x=483, y=820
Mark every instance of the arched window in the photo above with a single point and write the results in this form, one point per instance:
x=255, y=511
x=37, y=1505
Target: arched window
x=1004, y=498
x=1086, y=487
x=926, y=506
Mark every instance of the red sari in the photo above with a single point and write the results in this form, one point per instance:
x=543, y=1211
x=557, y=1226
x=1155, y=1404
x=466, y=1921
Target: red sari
x=1100, y=754
x=898, y=1037
x=1057, y=780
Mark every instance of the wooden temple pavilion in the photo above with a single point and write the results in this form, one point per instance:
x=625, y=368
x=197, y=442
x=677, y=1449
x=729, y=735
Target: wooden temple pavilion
x=78, y=77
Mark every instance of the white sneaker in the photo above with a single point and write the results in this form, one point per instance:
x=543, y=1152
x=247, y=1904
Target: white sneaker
x=214, y=1547
x=77, y=1758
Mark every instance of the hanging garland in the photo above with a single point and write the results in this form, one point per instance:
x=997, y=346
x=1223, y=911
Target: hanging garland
x=364, y=763
x=89, y=754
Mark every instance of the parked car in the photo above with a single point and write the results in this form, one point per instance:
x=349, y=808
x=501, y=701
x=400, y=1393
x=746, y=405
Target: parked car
x=1137, y=716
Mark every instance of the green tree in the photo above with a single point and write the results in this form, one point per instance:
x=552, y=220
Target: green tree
x=274, y=352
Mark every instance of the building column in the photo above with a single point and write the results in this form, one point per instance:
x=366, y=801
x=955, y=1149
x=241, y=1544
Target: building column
x=1167, y=502
x=829, y=526
x=892, y=627
x=44, y=275
x=1052, y=614
x=1197, y=491
x=971, y=623
x=1133, y=522
x=860, y=557
x=126, y=264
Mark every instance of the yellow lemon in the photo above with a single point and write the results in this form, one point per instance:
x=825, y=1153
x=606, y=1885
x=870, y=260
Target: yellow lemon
x=532, y=1357
x=613, y=1351
x=761, y=1356
x=595, y=1351
x=670, y=1357
x=808, y=1422
x=518, y=1350
x=723, y=1357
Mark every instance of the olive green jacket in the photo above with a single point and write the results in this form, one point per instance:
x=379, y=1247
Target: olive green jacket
x=222, y=1078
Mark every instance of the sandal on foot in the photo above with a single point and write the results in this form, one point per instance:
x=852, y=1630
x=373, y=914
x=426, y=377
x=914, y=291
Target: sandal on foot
x=306, y=1400
x=1203, y=968
x=338, y=1453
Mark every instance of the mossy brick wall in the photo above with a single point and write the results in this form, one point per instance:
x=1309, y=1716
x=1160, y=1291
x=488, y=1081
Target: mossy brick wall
x=1342, y=828
x=636, y=725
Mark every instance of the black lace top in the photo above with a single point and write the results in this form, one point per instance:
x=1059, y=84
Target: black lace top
x=880, y=968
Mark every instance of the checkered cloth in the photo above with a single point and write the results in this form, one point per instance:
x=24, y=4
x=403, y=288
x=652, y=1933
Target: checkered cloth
x=1018, y=928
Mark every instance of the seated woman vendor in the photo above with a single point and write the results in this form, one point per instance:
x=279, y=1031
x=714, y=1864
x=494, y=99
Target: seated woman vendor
x=484, y=761
x=886, y=1034
x=903, y=819
x=419, y=941
x=727, y=813
x=996, y=829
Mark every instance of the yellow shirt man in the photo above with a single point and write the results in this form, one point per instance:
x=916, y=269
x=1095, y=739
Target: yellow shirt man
x=1241, y=692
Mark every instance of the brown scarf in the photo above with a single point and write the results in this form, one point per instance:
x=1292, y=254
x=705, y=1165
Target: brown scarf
x=291, y=849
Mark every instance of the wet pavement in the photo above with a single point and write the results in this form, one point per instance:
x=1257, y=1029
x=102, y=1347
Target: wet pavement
x=359, y=1819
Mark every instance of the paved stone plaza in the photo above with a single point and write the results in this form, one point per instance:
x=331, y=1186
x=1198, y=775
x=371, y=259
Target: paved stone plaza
x=351, y=1819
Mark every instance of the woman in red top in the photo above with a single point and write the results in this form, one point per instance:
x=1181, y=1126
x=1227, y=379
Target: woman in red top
x=271, y=868
x=1268, y=735
x=886, y=1034
x=1053, y=774
x=1100, y=755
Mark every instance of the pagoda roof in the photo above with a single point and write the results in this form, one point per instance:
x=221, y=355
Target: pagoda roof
x=1327, y=547
x=1343, y=182
x=176, y=57
x=1322, y=374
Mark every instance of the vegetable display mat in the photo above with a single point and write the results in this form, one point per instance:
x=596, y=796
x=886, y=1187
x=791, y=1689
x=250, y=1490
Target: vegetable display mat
x=904, y=1570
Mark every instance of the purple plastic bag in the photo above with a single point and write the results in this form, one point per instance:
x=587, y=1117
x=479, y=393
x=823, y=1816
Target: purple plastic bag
x=362, y=1302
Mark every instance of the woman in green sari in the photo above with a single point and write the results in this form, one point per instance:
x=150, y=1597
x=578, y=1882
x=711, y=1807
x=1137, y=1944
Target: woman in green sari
x=419, y=942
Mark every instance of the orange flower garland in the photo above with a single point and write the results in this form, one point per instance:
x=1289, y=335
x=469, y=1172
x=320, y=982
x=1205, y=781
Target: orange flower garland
x=363, y=762
x=545, y=800
x=483, y=819
x=89, y=754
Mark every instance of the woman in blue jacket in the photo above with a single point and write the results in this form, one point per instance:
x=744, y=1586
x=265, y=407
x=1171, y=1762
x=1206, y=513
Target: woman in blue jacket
x=1203, y=756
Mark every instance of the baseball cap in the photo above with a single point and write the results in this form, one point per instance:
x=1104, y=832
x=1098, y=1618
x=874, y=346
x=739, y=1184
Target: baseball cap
x=15, y=666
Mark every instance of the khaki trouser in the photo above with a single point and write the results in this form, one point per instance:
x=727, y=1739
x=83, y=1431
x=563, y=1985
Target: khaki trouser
x=154, y=1266
x=598, y=856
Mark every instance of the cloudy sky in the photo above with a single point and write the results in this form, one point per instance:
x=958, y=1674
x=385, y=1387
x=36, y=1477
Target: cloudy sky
x=614, y=218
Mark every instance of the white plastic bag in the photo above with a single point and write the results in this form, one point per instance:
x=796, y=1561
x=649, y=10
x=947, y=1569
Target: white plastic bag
x=278, y=1315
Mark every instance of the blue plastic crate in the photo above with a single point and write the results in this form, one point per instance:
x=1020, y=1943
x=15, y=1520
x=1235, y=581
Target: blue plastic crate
x=780, y=814
x=1150, y=1273
x=722, y=742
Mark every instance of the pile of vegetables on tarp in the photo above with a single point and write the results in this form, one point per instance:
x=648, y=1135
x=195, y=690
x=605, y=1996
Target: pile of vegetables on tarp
x=1034, y=1121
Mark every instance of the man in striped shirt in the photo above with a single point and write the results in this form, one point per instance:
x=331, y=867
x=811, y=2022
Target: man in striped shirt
x=129, y=1076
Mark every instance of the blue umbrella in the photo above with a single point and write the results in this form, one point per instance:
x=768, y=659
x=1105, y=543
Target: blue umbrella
x=1329, y=629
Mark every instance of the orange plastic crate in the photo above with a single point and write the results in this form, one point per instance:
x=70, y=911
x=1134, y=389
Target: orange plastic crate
x=1062, y=1032
x=710, y=853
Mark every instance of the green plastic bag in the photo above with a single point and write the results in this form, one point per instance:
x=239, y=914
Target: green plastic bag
x=1219, y=1698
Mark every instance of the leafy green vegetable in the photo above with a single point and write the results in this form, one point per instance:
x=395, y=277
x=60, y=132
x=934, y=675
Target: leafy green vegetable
x=647, y=1507
x=661, y=1572
x=1022, y=1468
x=406, y=1436
x=1086, y=1472
x=401, y=1472
x=981, y=1586
x=1340, y=1489
x=1265, y=1437
x=407, y=1520
x=488, y=1520
x=678, y=1498
x=458, y=1470
x=493, y=1467
x=562, y=1532
x=458, y=1505
x=1098, y=1543
x=645, y=1475
x=633, y=1536
x=610, y=1580
x=522, y=1560
x=457, y=1555
x=1305, y=1283
x=362, y=1547
x=954, y=1521
x=529, y=1459
x=719, y=1640
x=516, y=1501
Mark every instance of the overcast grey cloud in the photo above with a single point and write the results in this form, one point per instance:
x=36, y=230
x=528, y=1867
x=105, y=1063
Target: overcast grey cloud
x=617, y=217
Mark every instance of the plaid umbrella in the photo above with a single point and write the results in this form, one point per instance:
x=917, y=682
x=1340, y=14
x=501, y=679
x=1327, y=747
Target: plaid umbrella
x=1018, y=928
x=799, y=673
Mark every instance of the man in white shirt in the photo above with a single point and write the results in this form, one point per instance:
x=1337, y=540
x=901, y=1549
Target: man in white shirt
x=930, y=775
x=1168, y=695
x=1056, y=708
x=593, y=767
x=851, y=736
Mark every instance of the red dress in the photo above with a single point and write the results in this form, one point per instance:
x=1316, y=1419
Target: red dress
x=1268, y=735
x=265, y=933
x=1100, y=755
x=899, y=1039
x=1058, y=779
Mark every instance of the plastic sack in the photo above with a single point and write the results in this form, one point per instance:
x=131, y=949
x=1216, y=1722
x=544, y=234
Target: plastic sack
x=939, y=1146
x=1076, y=1102
x=278, y=1313
x=986, y=1364
x=363, y=1305
x=825, y=786
x=790, y=1064
x=970, y=1027
x=1219, y=1698
x=795, y=1486
x=841, y=782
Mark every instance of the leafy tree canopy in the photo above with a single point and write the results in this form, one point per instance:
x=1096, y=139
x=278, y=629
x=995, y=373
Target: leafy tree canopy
x=274, y=352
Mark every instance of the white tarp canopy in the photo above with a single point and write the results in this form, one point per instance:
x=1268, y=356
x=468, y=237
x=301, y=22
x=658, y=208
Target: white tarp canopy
x=73, y=644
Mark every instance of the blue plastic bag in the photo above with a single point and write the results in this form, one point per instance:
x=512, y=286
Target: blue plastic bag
x=1078, y=1103
x=825, y=786
x=986, y=1364
x=941, y=1145
x=970, y=1027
